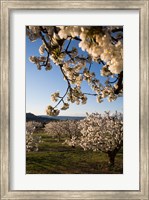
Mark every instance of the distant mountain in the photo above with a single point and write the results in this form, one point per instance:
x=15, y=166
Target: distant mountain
x=45, y=118
x=32, y=117
x=63, y=117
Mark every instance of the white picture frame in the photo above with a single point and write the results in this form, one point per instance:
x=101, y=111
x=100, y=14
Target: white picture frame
x=6, y=192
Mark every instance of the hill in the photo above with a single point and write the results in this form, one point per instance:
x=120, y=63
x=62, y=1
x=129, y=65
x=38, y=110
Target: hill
x=63, y=117
x=32, y=117
x=45, y=118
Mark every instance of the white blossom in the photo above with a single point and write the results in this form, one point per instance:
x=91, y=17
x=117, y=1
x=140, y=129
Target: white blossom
x=101, y=46
x=101, y=132
x=52, y=111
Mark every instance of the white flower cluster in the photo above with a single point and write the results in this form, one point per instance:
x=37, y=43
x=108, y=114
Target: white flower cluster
x=65, y=106
x=57, y=57
x=100, y=132
x=109, y=93
x=41, y=61
x=66, y=129
x=73, y=142
x=33, y=126
x=42, y=49
x=76, y=95
x=69, y=31
x=33, y=32
x=98, y=45
x=102, y=45
x=52, y=111
x=88, y=76
x=32, y=142
x=105, y=71
x=55, y=96
x=55, y=50
x=72, y=73
x=94, y=41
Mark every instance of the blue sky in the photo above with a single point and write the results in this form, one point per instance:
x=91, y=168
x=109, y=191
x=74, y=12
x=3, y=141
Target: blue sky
x=40, y=84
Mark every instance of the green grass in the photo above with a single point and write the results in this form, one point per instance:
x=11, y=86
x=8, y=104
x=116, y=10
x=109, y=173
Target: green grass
x=55, y=158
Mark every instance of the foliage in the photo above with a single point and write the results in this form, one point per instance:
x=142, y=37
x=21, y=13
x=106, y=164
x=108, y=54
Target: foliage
x=102, y=45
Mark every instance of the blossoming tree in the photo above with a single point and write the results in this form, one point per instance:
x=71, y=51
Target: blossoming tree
x=101, y=133
x=102, y=45
x=63, y=129
x=33, y=126
x=32, y=140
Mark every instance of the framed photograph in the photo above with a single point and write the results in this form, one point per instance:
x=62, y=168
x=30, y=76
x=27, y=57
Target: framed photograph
x=74, y=100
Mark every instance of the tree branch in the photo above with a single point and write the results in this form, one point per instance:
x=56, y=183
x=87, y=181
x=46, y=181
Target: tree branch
x=90, y=66
x=62, y=98
x=68, y=45
x=117, y=30
x=119, y=83
x=68, y=88
x=76, y=38
x=44, y=40
x=113, y=81
x=90, y=94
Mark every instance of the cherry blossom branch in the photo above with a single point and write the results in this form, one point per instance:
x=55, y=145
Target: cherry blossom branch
x=68, y=88
x=48, y=54
x=77, y=67
x=119, y=83
x=62, y=98
x=44, y=40
x=61, y=68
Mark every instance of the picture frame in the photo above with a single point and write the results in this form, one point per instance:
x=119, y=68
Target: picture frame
x=6, y=7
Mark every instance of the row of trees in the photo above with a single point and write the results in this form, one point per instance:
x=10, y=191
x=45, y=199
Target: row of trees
x=95, y=132
x=66, y=129
x=75, y=50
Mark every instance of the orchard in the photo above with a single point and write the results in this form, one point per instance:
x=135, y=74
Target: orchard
x=90, y=62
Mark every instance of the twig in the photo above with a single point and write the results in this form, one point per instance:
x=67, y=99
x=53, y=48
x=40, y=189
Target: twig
x=90, y=94
x=43, y=39
x=90, y=66
x=68, y=45
x=113, y=81
x=62, y=98
x=119, y=83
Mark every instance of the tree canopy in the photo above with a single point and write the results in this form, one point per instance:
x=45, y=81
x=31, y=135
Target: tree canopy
x=100, y=45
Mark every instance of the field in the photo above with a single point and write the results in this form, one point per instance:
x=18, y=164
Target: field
x=56, y=158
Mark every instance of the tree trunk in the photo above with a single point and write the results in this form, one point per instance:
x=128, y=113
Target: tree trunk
x=112, y=155
x=59, y=138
